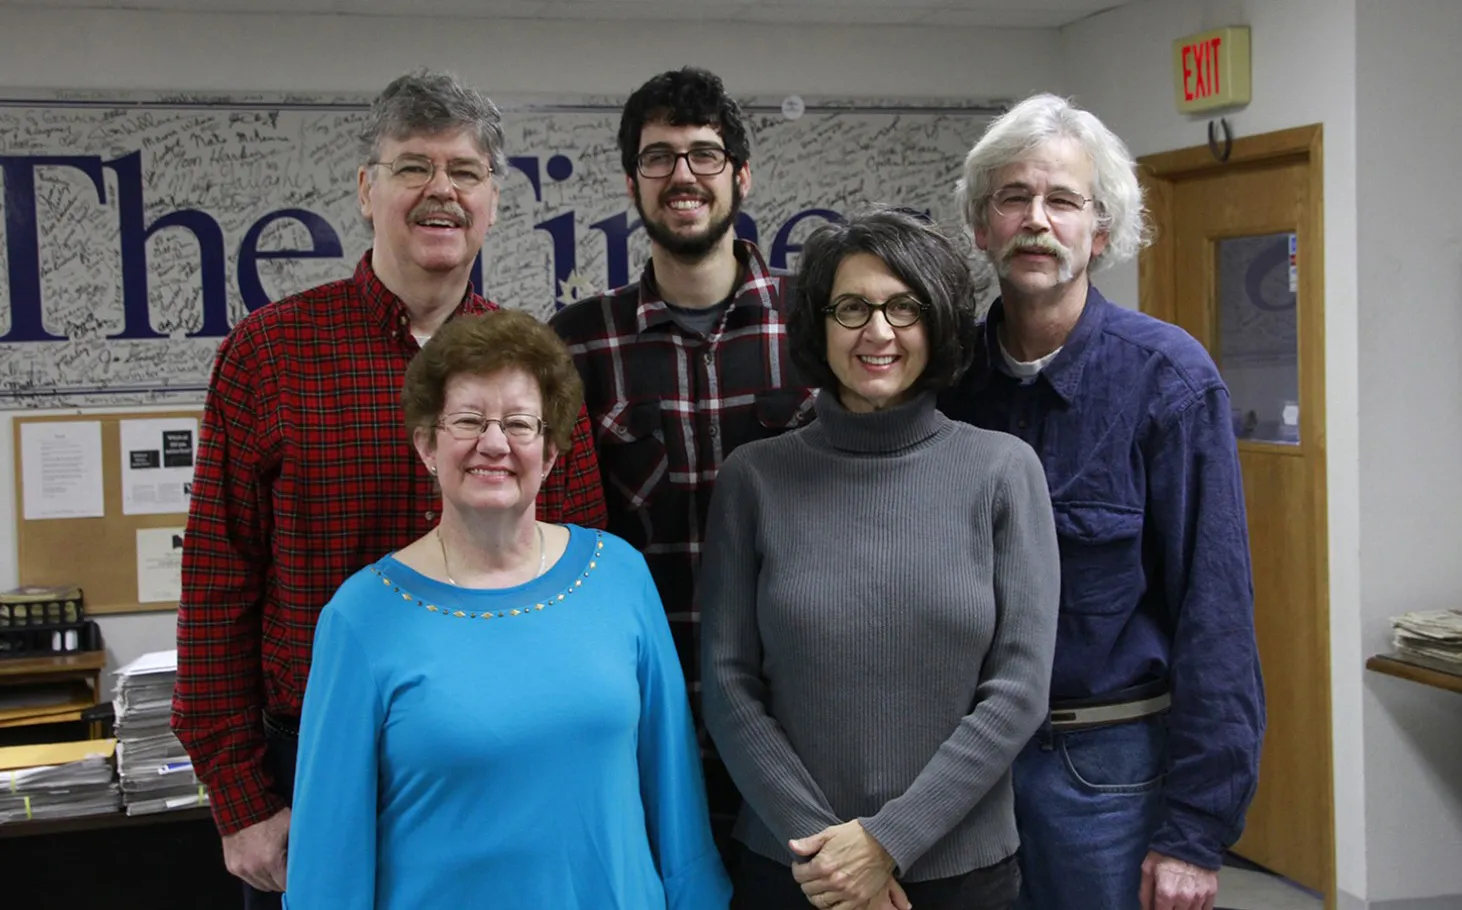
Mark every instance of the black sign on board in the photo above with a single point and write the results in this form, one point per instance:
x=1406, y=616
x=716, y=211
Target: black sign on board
x=177, y=448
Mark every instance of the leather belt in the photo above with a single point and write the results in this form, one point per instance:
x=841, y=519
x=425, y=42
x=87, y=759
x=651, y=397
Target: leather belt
x=1117, y=712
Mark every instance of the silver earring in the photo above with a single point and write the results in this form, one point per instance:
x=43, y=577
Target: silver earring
x=431, y=469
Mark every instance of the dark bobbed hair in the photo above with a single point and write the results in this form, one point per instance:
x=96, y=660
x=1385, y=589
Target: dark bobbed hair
x=482, y=345
x=922, y=256
x=689, y=96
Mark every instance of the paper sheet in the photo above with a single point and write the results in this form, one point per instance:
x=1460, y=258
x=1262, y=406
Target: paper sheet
x=159, y=565
x=62, y=468
x=157, y=464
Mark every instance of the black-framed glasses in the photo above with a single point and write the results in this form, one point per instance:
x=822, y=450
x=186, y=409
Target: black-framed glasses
x=853, y=312
x=469, y=425
x=416, y=171
x=1016, y=200
x=703, y=161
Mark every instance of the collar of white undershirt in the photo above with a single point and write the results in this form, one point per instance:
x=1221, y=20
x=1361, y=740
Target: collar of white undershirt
x=1024, y=370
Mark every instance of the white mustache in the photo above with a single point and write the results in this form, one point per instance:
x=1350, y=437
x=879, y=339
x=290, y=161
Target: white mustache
x=1035, y=243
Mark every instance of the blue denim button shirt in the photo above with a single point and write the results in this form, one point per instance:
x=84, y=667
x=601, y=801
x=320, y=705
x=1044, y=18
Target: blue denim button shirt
x=1132, y=423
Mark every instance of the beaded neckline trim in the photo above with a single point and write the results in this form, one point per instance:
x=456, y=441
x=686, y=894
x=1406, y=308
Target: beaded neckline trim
x=526, y=610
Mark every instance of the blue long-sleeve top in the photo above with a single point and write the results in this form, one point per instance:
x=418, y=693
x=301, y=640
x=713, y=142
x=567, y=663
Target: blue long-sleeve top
x=511, y=749
x=1132, y=423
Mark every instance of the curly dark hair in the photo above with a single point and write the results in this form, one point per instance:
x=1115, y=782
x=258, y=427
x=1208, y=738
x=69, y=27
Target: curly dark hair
x=483, y=344
x=689, y=96
x=922, y=256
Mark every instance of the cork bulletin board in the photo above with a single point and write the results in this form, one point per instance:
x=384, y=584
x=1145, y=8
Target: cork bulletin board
x=100, y=554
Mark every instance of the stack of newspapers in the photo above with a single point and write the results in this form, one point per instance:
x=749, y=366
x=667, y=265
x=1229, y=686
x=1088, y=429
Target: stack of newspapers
x=57, y=780
x=155, y=771
x=1434, y=635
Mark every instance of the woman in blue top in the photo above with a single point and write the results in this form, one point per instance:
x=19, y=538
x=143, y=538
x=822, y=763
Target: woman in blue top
x=495, y=715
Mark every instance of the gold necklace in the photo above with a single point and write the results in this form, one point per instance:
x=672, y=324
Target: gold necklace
x=542, y=554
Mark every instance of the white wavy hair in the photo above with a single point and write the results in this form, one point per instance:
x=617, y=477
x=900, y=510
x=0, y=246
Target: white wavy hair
x=1040, y=119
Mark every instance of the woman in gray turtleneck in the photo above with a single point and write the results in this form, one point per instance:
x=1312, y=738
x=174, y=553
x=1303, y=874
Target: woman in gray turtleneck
x=879, y=595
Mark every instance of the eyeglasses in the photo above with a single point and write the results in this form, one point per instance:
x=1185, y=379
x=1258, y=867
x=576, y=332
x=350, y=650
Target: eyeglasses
x=1013, y=201
x=416, y=171
x=706, y=161
x=853, y=312
x=467, y=425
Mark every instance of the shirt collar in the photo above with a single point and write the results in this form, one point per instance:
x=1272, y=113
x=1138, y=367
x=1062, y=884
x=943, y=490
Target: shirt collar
x=753, y=288
x=1063, y=373
x=389, y=311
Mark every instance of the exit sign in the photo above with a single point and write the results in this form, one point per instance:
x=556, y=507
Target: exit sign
x=1212, y=69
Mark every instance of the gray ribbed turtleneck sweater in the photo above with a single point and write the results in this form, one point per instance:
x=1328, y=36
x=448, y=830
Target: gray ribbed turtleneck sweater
x=879, y=597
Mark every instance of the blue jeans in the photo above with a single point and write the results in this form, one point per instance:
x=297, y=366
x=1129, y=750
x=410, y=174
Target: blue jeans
x=1086, y=805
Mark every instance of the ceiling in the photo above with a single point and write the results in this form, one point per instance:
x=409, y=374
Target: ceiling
x=976, y=13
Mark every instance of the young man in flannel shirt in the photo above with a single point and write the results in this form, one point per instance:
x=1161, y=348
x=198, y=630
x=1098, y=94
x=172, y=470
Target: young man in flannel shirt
x=689, y=362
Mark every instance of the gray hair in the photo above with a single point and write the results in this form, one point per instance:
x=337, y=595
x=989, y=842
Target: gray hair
x=425, y=102
x=1036, y=121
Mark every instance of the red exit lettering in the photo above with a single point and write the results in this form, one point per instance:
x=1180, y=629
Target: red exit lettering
x=1201, y=69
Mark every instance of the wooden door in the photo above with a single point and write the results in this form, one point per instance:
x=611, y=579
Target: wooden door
x=1237, y=262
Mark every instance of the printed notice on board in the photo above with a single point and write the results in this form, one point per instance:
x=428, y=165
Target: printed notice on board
x=157, y=465
x=159, y=565
x=61, y=464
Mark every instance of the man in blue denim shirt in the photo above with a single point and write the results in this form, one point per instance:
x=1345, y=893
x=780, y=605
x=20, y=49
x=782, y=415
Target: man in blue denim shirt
x=1129, y=796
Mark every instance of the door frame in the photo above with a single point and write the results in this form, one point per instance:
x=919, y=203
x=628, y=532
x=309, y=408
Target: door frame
x=1157, y=295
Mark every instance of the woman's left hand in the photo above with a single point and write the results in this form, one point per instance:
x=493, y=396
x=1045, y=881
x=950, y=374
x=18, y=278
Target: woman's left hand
x=847, y=869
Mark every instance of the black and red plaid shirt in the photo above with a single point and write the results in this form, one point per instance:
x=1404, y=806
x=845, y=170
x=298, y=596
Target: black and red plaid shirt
x=667, y=407
x=305, y=474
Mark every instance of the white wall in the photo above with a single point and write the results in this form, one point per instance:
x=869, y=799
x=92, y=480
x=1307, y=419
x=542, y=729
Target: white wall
x=1410, y=382
x=1304, y=71
x=121, y=50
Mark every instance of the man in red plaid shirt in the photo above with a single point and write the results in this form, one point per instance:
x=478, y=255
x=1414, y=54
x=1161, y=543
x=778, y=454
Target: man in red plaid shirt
x=691, y=361
x=305, y=469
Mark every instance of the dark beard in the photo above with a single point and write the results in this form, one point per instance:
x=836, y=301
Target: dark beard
x=692, y=248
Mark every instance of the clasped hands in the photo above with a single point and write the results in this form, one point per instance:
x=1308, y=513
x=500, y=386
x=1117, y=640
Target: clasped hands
x=846, y=869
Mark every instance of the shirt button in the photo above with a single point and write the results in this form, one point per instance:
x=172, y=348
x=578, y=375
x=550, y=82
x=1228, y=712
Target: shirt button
x=1020, y=424
x=708, y=358
x=715, y=431
x=429, y=515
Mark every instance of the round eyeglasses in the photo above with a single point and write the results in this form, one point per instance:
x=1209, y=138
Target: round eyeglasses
x=853, y=312
x=706, y=161
x=467, y=425
x=1015, y=201
x=416, y=171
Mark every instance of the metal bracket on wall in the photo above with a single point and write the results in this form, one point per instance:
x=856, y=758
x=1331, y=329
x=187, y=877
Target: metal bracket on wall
x=1228, y=139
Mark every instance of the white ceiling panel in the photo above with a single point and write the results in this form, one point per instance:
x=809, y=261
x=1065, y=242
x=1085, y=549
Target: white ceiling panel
x=997, y=18
x=622, y=11
x=974, y=13
x=848, y=15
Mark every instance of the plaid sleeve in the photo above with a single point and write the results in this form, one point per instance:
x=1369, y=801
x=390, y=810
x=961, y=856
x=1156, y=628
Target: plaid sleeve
x=219, y=692
x=573, y=492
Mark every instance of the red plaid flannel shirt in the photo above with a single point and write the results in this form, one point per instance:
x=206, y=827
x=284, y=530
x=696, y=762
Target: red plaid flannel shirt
x=305, y=474
x=667, y=407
